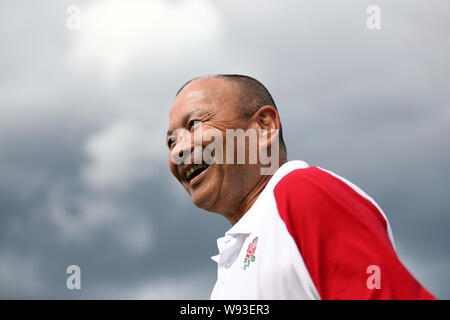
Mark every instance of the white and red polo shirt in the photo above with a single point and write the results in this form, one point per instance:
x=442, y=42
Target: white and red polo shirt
x=312, y=235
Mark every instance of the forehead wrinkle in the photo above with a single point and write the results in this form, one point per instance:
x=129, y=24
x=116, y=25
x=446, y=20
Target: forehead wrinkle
x=200, y=92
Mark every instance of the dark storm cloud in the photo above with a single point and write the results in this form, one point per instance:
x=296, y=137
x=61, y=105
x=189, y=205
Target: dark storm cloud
x=373, y=106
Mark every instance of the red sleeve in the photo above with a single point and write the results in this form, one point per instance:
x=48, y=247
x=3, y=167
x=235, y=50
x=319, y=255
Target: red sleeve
x=340, y=234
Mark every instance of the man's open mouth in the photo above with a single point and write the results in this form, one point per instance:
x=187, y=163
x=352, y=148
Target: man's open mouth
x=194, y=171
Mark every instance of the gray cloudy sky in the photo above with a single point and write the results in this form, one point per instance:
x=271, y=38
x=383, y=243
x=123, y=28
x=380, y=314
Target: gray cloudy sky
x=83, y=172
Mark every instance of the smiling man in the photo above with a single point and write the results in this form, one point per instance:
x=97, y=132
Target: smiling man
x=298, y=232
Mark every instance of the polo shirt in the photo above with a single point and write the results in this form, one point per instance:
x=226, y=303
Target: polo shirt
x=312, y=234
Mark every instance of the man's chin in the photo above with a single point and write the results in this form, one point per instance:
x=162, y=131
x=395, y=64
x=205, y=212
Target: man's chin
x=202, y=199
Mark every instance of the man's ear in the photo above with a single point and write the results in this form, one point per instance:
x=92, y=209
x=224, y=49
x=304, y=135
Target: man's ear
x=267, y=118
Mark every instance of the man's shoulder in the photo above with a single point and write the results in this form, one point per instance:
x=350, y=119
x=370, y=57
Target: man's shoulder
x=313, y=189
x=317, y=195
x=309, y=184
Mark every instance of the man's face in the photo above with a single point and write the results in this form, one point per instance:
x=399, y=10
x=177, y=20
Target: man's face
x=212, y=102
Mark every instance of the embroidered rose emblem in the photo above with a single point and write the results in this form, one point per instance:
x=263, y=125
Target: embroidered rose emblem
x=250, y=255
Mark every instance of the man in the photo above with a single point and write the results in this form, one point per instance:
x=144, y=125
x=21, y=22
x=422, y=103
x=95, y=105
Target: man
x=298, y=232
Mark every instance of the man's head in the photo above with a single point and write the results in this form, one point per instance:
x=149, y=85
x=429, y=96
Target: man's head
x=217, y=103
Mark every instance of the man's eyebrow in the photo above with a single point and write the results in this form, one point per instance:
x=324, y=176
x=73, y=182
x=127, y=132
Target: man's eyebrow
x=186, y=118
x=191, y=113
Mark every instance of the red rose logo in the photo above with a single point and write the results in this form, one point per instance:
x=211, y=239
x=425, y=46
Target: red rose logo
x=250, y=256
x=252, y=247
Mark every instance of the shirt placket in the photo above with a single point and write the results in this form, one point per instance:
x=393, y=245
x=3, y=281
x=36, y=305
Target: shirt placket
x=229, y=249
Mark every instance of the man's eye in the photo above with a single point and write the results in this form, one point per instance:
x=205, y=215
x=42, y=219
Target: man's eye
x=193, y=123
x=170, y=142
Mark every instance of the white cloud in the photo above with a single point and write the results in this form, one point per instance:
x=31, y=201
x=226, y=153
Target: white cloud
x=81, y=217
x=120, y=156
x=136, y=235
x=114, y=33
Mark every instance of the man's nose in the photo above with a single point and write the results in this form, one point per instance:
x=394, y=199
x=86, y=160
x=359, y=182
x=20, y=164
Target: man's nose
x=185, y=152
x=182, y=151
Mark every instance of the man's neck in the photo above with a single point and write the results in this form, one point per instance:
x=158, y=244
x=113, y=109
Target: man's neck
x=249, y=199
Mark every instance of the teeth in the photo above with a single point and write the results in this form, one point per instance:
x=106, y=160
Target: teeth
x=189, y=171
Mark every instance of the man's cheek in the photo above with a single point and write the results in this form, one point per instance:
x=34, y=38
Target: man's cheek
x=174, y=171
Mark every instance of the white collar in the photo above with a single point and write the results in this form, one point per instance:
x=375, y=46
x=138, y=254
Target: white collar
x=246, y=224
